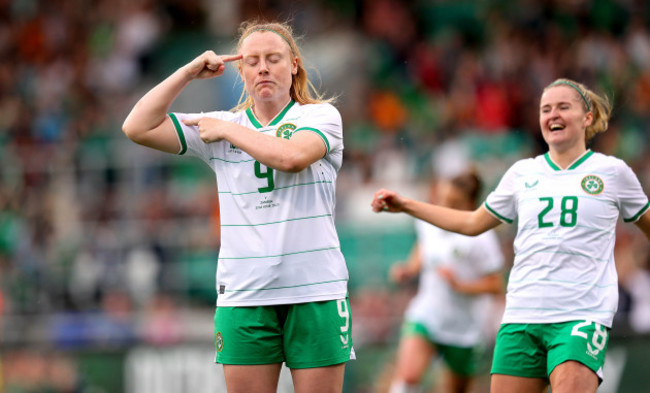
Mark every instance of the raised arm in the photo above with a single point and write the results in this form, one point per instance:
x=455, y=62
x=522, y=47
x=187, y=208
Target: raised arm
x=465, y=222
x=148, y=124
x=490, y=283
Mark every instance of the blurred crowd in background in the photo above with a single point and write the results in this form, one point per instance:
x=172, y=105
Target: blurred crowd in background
x=106, y=243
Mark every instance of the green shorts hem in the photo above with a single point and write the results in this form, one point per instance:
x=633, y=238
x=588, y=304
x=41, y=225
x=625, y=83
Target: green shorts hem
x=518, y=372
x=460, y=360
x=515, y=372
x=257, y=361
x=592, y=367
x=415, y=329
x=535, y=350
x=304, y=335
x=320, y=363
x=248, y=361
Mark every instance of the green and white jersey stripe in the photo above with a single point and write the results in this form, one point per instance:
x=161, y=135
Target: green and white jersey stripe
x=564, y=250
x=278, y=240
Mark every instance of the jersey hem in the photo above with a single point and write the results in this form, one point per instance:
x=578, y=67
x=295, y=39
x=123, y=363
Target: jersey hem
x=437, y=338
x=510, y=320
x=274, y=302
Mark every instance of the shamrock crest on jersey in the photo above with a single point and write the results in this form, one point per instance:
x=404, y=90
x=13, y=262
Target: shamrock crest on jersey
x=285, y=130
x=592, y=184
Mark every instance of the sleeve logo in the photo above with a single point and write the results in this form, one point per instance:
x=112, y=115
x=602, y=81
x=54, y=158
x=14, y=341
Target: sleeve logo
x=592, y=184
x=285, y=130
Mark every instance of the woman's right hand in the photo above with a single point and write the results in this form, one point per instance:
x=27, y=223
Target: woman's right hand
x=387, y=201
x=209, y=65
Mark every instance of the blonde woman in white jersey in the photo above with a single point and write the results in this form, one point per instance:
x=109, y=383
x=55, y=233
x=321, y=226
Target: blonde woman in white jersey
x=446, y=317
x=281, y=278
x=562, y=291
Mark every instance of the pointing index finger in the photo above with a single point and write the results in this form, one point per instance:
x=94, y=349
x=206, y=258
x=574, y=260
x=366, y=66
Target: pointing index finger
x=191, y=122
x=228, y=58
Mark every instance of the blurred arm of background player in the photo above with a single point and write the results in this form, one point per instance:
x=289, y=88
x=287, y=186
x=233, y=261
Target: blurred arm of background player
x=492, y=283
x=403, y=272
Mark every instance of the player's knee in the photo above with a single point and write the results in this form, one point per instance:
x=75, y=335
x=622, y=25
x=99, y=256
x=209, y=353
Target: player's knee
x=410, y=378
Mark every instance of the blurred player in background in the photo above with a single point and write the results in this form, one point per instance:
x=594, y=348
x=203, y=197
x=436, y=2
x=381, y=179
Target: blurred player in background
x=445, y=317
x=281, y=277
x=562, y=291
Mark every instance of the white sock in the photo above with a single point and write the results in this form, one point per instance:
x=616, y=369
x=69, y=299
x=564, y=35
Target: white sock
x=403, y=387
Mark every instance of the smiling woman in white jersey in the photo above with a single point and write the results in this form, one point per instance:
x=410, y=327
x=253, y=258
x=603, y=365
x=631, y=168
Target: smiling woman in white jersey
x=562, y=291
x=281, y=278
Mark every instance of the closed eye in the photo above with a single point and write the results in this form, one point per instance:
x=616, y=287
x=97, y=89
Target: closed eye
x=251, y=60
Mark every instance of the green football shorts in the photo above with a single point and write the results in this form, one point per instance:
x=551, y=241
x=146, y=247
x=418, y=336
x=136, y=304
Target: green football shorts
x=303, y=335
x=534, y=350
x=461, y=360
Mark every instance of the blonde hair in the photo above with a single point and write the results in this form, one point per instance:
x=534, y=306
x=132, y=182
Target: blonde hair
x=599, y=105
x=302, y=90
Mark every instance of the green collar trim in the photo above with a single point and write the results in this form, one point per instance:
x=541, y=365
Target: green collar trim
x=252, y=118
x=551, y=163
x=575, y=164
x=276, y=119
x=582, y=159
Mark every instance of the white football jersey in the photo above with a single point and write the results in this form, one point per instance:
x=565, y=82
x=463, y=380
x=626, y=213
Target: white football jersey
x=564, y=250
x=278, y=240
x=451, y=317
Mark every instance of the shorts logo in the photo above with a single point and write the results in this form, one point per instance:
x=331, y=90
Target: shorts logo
x=592, y=184
x=285, y=130
x=219, y=342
